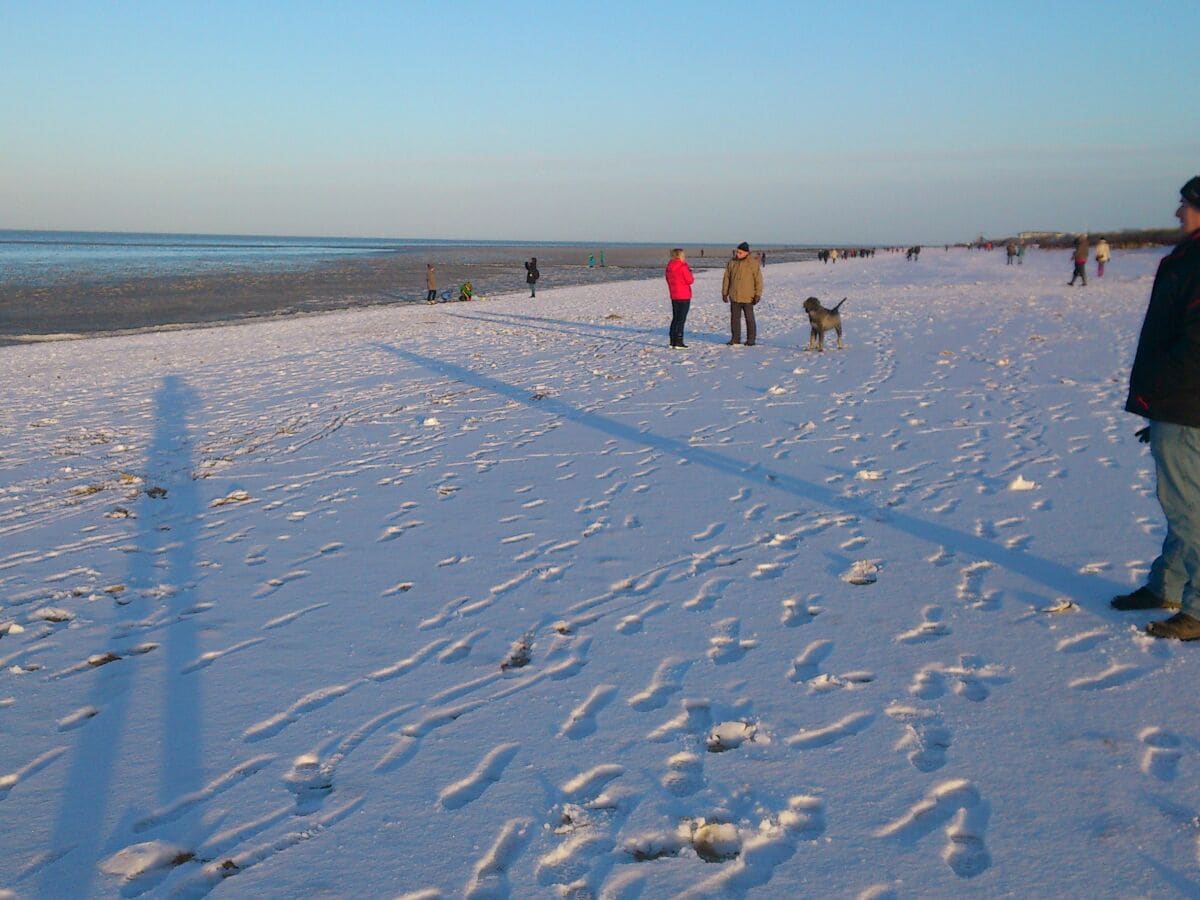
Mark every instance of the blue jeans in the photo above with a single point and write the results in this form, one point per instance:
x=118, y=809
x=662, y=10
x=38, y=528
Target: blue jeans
x=679, y=313
x=1176, y=572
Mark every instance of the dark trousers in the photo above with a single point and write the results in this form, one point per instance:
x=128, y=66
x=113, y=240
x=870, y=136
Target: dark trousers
x=431, y=296
x=532, y=289
x=736, y=311
x=1079, y=272
x=679, y=311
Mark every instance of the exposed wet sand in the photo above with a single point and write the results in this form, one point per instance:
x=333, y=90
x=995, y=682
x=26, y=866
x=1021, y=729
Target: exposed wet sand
x=81, y=308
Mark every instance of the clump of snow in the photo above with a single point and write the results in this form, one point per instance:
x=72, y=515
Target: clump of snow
x=716, y=841
x=730, y=735
x=52, y=614
x=138, y=859
x=862, y=571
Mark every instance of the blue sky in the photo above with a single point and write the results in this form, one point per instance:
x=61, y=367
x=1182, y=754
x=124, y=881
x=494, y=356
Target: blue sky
x=774, y=122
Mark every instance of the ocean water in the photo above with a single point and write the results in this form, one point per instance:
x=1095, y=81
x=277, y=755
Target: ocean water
x=49, y=257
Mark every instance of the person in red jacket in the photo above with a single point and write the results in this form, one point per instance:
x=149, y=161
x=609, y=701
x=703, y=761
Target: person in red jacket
x=679, y=287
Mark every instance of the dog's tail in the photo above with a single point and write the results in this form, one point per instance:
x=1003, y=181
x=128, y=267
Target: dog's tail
x=839, y=306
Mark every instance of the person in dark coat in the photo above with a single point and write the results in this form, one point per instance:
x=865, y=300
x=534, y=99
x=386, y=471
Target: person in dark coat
x=1164, y=387
x=532, y=275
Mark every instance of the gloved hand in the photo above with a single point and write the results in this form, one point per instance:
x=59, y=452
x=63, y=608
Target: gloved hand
x=754, y=302
x=1143, y=434
x=724, y=299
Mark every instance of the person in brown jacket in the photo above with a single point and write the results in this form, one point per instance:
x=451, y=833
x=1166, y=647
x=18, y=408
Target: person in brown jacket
x=431, y=284
x=741, y=288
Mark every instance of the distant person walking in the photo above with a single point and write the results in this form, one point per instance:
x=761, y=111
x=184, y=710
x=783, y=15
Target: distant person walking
x=679, y=289
x=1010, y=250
x=741, y=288
x=1080, y=256
x=1021, y=253
x=1164, y=387
x=1103, y=255
x=430, y=284
x=532, y=275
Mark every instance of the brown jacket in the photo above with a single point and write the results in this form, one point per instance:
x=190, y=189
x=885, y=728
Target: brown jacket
x=743, y=281
x=430, y=280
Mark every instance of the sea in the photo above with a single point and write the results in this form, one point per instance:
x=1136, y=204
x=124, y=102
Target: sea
x=47, y=257
x=86, y=282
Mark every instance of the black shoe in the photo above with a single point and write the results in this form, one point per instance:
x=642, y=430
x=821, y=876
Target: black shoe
x=731, y=343
x=681, y=345
x=749, y=343
x=1142, y=598
x=1180, y=626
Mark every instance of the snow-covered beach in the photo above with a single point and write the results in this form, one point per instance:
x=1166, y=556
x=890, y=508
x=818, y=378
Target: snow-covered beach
x=510, y=599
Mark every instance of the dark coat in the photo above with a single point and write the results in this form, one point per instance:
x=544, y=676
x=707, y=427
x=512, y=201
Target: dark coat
x=1164, y=384
x=531, y=272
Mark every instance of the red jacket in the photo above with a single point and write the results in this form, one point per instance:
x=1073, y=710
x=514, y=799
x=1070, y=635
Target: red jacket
x=679, y=280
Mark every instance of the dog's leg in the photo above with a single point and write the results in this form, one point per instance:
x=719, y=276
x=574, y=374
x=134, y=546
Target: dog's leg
x=839, y=331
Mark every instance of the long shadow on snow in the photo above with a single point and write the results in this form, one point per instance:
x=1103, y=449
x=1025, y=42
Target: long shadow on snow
x=172, y=521
x=1056, y=576
x=564, y=326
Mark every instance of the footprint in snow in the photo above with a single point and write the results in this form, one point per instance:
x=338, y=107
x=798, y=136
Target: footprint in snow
x=582, y=720
x=805, y=666
x=926, y=738
x=685, y=774
x=957, y=802
x=1115, y=675
x=930, y=629
x=798, y=612
x=633, y=623
x=667, y=680
x=1162, y=754
x=725, y=646
x=1079, y=643
x=487, y=773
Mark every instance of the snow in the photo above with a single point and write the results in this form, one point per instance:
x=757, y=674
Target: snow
x=508, y=598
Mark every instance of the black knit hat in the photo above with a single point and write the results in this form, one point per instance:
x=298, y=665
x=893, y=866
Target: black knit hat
x=744, y=246
x=1191, y=192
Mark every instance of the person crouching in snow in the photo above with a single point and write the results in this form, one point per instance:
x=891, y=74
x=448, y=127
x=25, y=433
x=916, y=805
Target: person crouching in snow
x=1164, y=387
x=679, y=288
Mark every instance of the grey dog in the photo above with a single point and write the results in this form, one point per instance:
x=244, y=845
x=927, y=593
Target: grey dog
x=822, y=320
